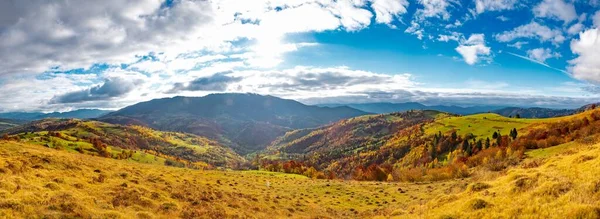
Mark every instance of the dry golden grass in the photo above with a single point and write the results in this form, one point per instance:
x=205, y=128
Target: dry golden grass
x=41, y=182
x=564, y=184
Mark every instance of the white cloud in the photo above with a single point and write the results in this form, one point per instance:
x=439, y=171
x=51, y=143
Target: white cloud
x=473, y=49
x=596, y=19
x=541, y=54
x=575, y=28
x=556, y=9
x=454, y=36
x=415, y=29
x=494, y=5
x=503, y=18
x=435, y=8
x=587, y=48
x=532, y=30
x=387, y=10
x=518, y=45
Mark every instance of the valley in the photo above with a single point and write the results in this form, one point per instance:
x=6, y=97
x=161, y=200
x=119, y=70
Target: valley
x=417, y=163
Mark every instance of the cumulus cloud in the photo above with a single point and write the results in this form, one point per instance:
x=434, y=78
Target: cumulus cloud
x=596, y=19
x=77, y=34
x=532, y=30
x=587, y=48
x=473, y=49
x=387, y=10
x=494, y=5
x=216, y=82
x=111, y=88
x=556, y=9
x=435, y=8
x=541, y=54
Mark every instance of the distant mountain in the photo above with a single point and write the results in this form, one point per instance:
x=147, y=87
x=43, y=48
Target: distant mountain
x=402, y=107
x=246, y=122
x=534, y=112
x=76, y=114
x=9, y=123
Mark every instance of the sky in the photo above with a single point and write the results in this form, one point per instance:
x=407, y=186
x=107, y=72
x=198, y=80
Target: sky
x=63, y=55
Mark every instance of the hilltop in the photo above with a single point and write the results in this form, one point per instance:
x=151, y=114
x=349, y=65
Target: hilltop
x=245, y=122
x=134, y=143
x=421, y=145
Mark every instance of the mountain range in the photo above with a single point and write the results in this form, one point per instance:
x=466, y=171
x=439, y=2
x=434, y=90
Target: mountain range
x=533, y=112
x=77, y=114
x=245, y=122
x=380, y=108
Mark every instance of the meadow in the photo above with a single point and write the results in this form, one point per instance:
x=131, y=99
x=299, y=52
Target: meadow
x=44, y=182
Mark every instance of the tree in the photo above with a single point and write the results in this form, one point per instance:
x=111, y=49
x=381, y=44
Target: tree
x=465, y=145
x=495, y=135
x=454, y=136
x=514, y=133
x=487, y=143
x=479, y=145
x=432, y=151
x=518, y=116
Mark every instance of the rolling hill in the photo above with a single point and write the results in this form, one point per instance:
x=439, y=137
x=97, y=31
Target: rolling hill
x=422, y=145
x=245, y=122
x=535, y=112
x=9, y=123
x=134, y=143
x=381, y=108
x=554, y=182
x=76, y=114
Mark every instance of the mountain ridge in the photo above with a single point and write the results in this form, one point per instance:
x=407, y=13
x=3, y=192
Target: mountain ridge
x=246, y=122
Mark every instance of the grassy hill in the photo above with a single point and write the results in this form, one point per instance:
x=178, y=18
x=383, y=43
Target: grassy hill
x=421, y=145
x=245, y=122
x=558, y=182
x=135, y=143
x=9, y=123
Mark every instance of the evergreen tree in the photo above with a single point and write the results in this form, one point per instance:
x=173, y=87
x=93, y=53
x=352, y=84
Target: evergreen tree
x=454, y=136
x=499, y=140
x=487, y=143
x=432, y=151
x=514, y=133
x=479, y=145
x=495, y=135
x=465, y=145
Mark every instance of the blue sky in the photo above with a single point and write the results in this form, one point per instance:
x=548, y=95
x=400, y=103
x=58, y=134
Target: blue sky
x=63, y=55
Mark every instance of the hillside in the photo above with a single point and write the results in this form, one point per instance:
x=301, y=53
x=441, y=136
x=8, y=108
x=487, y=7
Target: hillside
x=76, y=114
x=245, y=122
x=134, y=143
x=9, y=123
x=342, y=147
x=534, y=112
x=558, y=182
x=382, y=108
x=421, y=145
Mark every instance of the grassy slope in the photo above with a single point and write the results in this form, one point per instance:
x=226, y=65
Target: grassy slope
x=39, y=181
x=77, y=133
x=558, y=182
x=484, y=125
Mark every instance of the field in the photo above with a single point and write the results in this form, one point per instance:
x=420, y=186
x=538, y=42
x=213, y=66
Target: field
x=52, y=183
x=484, y=125
x=45, y=182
